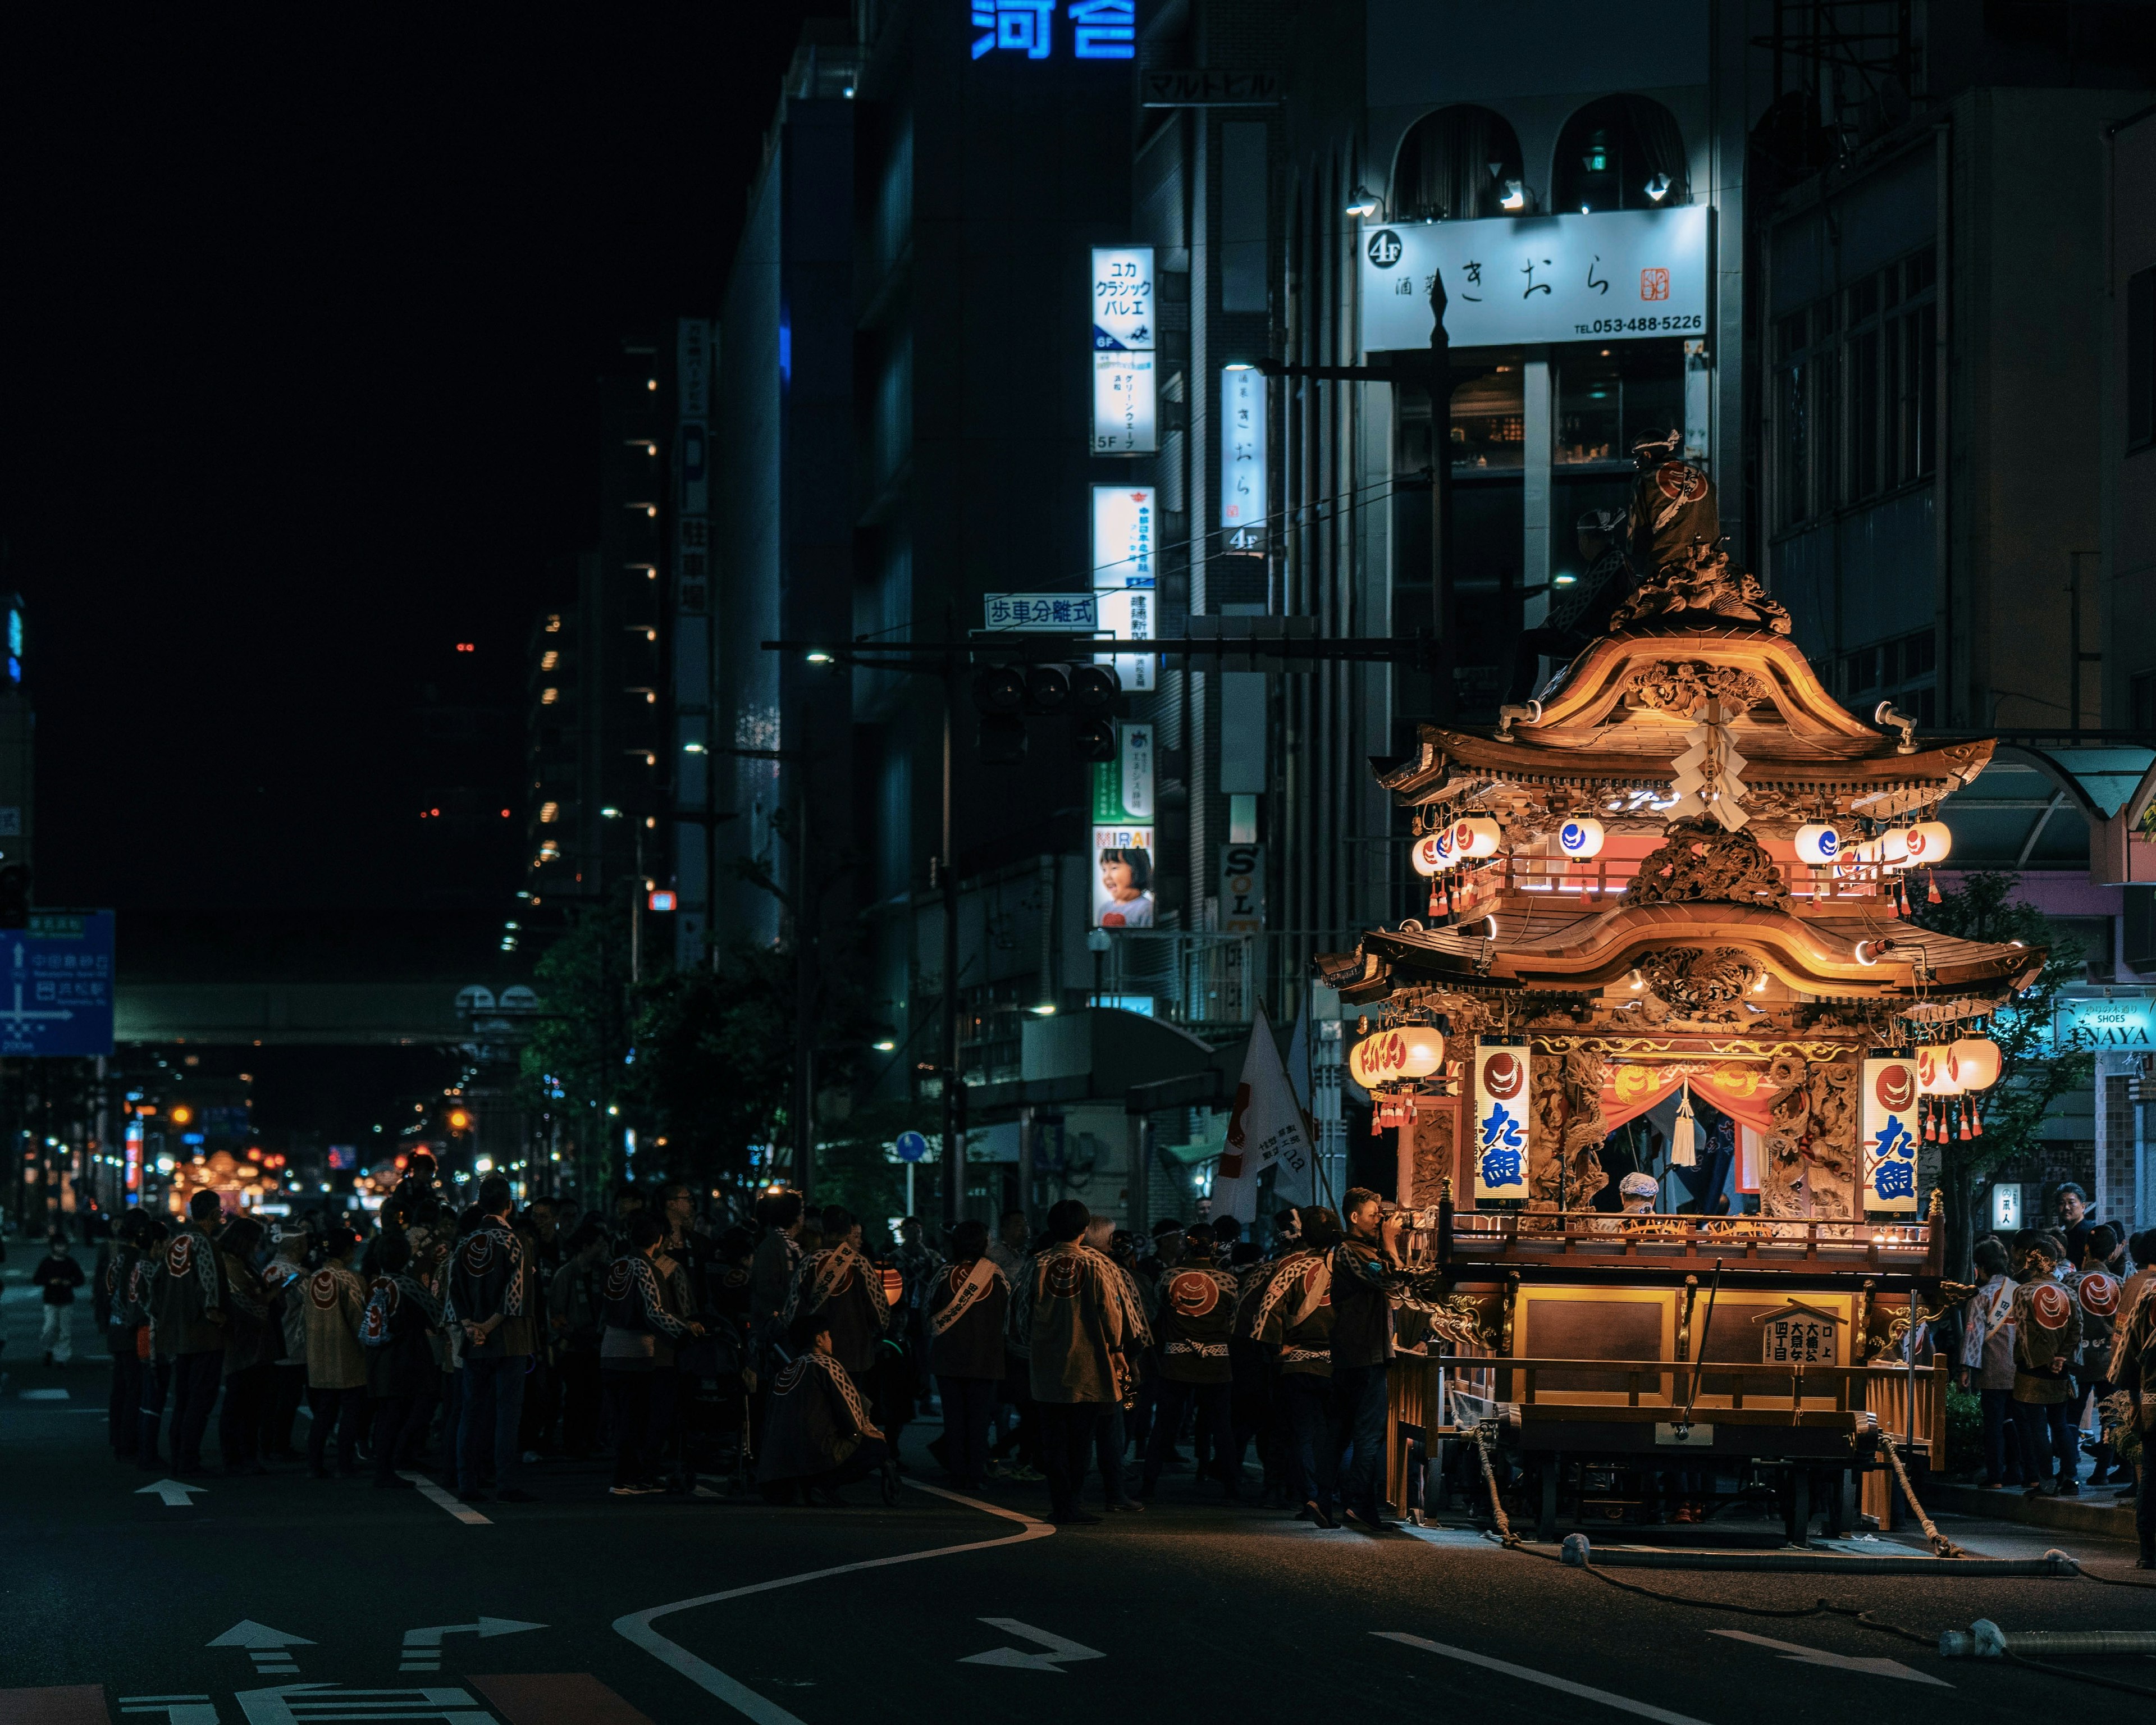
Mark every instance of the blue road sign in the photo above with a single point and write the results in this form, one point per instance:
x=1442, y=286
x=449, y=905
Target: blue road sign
x=56, y=984
x=911, y=1146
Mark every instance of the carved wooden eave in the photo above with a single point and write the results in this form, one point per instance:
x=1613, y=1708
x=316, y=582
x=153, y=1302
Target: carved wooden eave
x=1627, y=703
x=1452, y=763
x=1582, y=954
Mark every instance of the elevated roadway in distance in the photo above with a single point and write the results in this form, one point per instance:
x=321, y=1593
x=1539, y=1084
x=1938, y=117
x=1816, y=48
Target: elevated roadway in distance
x=335, y=977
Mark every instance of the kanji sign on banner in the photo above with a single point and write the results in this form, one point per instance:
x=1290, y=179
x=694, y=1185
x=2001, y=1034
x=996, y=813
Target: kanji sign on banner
x=1504, y=1079
x=1889, y=1125
x=1266, y=1131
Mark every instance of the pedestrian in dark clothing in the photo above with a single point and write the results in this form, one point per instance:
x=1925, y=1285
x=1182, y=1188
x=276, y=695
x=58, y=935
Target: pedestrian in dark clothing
x=57, y=1275
x=187, y=1320
x=285, y=1277
x=489, y=1296
x=396, y=1329
x=1987, y=1359
x=636, y=1359
x=1193, y=1320
x=967, y=1304
x=252, y=1340
x=575, y=1310
x=1368, y=1284
x=1075, y=1319
x=819, y=1436
x=122, y=1284
x=2047, y=1338
x=1293, y=1315
x=335, y=1301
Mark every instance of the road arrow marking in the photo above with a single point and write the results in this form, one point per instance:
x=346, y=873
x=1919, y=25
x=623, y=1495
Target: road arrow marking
x=422, y=1647
x=172, y=1491
x=1564, y=1686
x=1838, y=1662
x=269, y=1648
x=275, y=1707
x=1060, y=1651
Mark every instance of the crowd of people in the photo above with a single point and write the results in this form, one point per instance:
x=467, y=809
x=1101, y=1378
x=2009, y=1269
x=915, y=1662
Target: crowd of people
x=2063, y=1322
x=792, y=1353
x=468, y=1341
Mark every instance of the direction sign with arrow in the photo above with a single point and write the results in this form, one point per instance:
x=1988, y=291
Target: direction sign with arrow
x=173, y=1492
x=1060, y=1653
x=422, y=1647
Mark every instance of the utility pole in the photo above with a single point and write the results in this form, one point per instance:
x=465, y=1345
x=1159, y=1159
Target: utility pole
x=954, y=1101
x=1444, y=617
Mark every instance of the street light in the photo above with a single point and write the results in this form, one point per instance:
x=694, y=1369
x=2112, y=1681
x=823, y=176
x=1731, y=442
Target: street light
x=1364, y=203
x=820, y=657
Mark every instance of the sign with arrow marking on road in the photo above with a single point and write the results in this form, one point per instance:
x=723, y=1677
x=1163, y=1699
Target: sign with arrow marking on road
x=422, y=1647
x=173, y=1492
x=269, y=1648
x=1060, y=1653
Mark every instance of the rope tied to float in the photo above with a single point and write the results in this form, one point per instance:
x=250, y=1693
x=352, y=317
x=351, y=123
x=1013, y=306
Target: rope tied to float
x=1941, y=1545
x=1505, y=1532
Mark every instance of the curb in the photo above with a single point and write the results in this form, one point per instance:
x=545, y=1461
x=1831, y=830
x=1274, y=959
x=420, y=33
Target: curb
x=2068, y=1514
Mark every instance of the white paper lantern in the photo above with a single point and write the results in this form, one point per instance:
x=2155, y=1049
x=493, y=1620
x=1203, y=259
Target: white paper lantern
x=1477, y=836
x=1427, y=859
x=1580, y=836
x=1974, y=1061
x=1414, y=1051
x=1818, y=844
x=1928, y=842
x=1935, y=1073
x=1894, y=847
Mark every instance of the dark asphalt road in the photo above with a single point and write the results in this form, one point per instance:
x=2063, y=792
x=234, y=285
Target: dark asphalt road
x=674, y=1610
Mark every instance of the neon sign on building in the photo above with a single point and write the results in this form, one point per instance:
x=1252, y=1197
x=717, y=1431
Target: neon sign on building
x=1100, y=29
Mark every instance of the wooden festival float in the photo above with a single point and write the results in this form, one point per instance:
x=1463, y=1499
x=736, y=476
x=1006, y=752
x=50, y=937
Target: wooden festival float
x=1687, y=870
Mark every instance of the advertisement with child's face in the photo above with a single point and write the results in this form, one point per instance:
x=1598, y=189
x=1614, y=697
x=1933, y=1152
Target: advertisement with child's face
x=1122, y=891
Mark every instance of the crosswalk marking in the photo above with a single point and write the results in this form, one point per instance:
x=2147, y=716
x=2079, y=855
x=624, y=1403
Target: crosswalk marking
x=446, y=1500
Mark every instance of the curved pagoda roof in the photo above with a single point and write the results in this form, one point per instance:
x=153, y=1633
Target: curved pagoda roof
x=1706, y=911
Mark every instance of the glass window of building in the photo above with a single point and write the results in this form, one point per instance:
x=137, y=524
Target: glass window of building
x=1609, y=397
x=1454, y=165
x=1488, y=420
x=1621, y=152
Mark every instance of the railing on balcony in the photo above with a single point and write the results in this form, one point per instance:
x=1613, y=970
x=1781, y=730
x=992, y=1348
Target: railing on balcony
x=1604, y=879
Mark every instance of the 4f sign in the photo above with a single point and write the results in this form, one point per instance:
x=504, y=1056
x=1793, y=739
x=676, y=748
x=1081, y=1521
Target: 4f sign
x=1384, y=249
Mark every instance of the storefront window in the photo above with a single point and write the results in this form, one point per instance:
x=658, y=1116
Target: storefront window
x=1608, y=398
x=1489, y=421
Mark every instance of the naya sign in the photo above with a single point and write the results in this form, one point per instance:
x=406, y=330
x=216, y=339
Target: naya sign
x=2103, y=1024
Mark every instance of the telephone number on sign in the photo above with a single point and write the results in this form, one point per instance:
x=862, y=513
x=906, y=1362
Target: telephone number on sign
x=1623, y=326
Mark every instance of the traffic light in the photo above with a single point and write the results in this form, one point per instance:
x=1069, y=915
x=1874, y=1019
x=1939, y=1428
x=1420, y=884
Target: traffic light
x=1005, y=696
x=14, y=896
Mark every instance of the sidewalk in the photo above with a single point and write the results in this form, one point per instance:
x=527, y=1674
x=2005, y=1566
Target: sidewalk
x=2092, y=1513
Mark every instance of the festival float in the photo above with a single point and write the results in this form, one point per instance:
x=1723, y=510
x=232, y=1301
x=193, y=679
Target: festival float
x=1686, y=872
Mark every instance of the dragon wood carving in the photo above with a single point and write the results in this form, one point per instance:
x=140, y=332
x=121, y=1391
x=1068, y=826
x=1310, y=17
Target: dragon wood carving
x=1705, y=589
x=1811, y=1146
x=1565, y=1130
x=1692, y=980
x=1699, y=863
x=1687, y=686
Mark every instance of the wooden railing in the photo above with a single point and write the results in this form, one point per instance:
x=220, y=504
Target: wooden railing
x=1600, y=879
x=1504, y=1234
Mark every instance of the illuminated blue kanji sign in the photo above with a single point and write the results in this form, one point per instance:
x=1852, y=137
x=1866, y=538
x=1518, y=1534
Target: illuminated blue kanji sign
x=1100, y=29
x=1894, y=1139
x=1894, y=1179
x=1501, y=1144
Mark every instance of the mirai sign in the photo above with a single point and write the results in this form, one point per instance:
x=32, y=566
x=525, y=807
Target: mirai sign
x=1100, y=29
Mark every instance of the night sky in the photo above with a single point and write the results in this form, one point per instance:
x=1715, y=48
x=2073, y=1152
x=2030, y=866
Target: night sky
x=302, y=316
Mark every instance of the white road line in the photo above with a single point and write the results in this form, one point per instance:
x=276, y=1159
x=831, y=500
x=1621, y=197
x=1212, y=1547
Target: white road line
x=636, y=1626
x=447, y=1499
x=1622, y=1703
x=1835, y=1661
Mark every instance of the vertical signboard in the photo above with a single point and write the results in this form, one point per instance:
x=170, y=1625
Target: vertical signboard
x=1123, y=832
x=1889, y=1134
x=1242, y=889
x=1126, y=537
x=695, y=358
x=1126, y=404
x=1504, y=1075
x=1243, y=460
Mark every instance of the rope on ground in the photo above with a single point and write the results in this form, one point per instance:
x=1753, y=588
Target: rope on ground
x=1941, y=1545
x=1827, y=1608
x=1511, y=1540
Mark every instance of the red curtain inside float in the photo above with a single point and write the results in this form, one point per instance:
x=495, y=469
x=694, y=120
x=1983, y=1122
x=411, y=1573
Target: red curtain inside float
x=1739, y=1089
